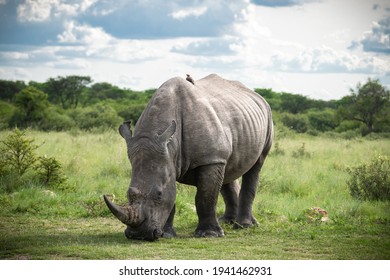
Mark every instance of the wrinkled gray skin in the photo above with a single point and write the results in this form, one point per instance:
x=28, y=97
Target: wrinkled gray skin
x=207, y=135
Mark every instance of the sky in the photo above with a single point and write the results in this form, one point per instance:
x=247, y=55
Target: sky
x=320, y=48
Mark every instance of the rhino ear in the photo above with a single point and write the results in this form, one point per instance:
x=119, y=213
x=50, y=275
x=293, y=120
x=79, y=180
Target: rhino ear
x=125, y=130
x=166, y=136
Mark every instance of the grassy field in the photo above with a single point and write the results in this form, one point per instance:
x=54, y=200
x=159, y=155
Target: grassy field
x=302, y=172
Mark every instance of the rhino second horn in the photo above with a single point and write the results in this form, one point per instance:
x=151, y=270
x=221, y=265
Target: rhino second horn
x=123, y=214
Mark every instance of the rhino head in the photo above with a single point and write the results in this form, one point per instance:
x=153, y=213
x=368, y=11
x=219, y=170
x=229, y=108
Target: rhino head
x=152, y=191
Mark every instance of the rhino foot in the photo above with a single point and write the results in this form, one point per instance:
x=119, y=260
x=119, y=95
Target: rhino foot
x=169, y=233
x=209, y=233
x=227, y=220
x=245, y=223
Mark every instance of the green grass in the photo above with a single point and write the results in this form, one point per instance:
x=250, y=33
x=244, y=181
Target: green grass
x=36, y=223
x=102, y=238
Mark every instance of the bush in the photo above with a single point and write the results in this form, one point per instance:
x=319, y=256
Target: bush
x=99, y=115
x=21, y=167
x=32, y=104
x=295, y=122
x=132, y=112
x=322, y=120
x=6, y=112
x=348, y=125
x=57, y=120
x=50, y=172
x=371, y=180
x=17, y=153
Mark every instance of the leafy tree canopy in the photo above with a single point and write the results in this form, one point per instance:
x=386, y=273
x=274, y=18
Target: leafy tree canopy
x=366, y=104
x=32, y=104
x=8, y=89
x=66, y=91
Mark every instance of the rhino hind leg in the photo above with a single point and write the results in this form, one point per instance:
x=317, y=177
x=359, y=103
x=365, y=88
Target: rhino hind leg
x=230, y=194
x=250, y=180
x=208, y=182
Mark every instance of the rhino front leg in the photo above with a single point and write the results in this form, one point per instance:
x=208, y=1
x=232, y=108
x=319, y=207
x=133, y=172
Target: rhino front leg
x=230, y=194
x=208, y=182
x=168, y=230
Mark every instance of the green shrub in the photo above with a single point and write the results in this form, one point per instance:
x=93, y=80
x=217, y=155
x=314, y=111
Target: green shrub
x=347, y=125
x=57, y=120
x=17, y=153
x=20, y=167
x=31, y=106
x=132, y=112
x=295, y=122
x=50, y=172
x=6, y=112
x=371, y=180
x=322, y=120
x=99, y=115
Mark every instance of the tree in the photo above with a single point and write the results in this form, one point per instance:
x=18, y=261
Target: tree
x=273, y=98
x=8, y=89
x=366, y=104
x=103, y=91
x=32, y=105
x=67, y=90
x=295, y=122
x=294, y=103
x=323, y=120
x=98, y=115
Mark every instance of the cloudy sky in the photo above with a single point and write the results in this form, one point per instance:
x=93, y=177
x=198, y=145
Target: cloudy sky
x=319, y=48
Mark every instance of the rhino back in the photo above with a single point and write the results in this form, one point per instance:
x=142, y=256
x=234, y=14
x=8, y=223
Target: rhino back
x=218, y=121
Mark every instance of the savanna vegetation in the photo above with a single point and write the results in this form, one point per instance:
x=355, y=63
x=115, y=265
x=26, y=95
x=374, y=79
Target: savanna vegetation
x=74, y=102
x=323, y=193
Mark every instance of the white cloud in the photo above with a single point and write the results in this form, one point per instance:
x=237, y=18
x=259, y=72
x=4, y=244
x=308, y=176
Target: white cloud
x=209, y=46
x=35, y=10
x=281, y=3
x=86, y=4
x=44, y=10
x=84, y=34
x=73, y=64
x=2, y=2
x=284, y=44
x=127, y=51
x=216, y=64
x=14, y=73
x=189, y=12
x=96, y=43
x=328, y=60
x=378, y=38
x=250, y=26
x=14, y=55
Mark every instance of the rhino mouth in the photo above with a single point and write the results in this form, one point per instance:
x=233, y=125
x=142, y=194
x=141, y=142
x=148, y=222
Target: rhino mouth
x=143, y=232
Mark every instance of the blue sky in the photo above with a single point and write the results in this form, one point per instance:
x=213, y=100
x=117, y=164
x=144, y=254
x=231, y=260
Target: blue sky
x=319, y=48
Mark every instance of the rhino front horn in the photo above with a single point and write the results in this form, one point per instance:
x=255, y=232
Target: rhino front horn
x=124, y=214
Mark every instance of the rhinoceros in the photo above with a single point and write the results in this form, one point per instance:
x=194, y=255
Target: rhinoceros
x=206, y=134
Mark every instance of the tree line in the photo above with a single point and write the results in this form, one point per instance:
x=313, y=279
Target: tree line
x=75, y=102
x=366, y=109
